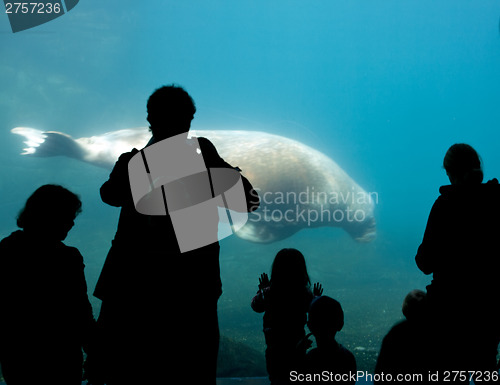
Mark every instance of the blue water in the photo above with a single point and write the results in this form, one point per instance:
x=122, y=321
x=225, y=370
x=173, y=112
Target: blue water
x=383, y=87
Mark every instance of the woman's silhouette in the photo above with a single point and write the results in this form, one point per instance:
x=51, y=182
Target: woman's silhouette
x=460, y=249
x=46, y=316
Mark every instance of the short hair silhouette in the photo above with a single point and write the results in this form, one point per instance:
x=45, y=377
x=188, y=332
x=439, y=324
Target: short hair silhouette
x=171, y=103
x=462, y=163
x=50, y=202
x=325, y=315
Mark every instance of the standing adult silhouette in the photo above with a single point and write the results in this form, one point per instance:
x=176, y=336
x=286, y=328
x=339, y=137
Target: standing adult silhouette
x=46, y=317
x=158, y=320
x=460, y=249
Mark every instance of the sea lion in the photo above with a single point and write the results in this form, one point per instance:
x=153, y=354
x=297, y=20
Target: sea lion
x=299, y=187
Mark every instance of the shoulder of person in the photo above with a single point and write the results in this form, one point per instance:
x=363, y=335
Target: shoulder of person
x=206, y=145
x=13, y=242
x=13, y=237
x=210, y=154
x=347, y=357
x=73, y=253
x=10, y=243
x=344, y=350
x=126, y=156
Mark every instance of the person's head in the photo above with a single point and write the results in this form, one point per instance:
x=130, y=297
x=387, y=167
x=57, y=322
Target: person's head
x=463, y=165
x=50, y=212
x=170, y=111
x=326, y=318
x=414, y=305
x=289, y=270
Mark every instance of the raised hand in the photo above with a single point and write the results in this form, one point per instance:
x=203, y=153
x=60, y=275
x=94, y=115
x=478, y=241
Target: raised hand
x=317, y=289
x=264, y=281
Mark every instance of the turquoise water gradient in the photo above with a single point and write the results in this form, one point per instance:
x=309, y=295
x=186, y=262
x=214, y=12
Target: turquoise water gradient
x=383, y=87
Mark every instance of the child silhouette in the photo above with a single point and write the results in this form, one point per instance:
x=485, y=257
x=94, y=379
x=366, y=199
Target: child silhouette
x=326, y=318
x=284, y=300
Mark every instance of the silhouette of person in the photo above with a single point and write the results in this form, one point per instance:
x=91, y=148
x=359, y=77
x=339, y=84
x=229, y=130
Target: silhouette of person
x=460, y=249
x=158, y=318
x=406, y=348
x=284, y=300
x=326, y=318
x=46, y=314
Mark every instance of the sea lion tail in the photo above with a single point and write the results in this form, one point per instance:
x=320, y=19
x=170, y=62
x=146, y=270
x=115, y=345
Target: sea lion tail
x=48, y=143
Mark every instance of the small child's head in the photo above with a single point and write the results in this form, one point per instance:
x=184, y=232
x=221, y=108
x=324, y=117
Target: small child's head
x=326, y=317
x=414, y=305
x=289, y=270
x=49, y=212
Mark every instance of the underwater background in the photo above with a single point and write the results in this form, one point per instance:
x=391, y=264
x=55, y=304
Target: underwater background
x=383, y=87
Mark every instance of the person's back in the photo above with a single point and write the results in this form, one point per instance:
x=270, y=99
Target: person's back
x=284, y=300
x=153, y=293
x=46, y=315
x=406, y=348
x=460, y=246
x=334, y=359
x=326, y=318
x=459, y=249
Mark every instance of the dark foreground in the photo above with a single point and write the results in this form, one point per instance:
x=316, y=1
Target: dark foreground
x=254, y=381
x=238, y=381
x=226, y=381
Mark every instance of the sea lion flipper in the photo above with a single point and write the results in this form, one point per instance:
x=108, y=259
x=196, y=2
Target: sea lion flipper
x=48, y=143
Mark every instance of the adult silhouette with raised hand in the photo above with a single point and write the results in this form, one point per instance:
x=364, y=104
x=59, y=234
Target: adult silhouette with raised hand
x=158, y=319
x=460, y=249
x=46, y=317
